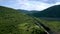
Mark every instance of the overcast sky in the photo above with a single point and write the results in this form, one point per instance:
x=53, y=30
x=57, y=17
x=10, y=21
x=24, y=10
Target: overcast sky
x=29, y=4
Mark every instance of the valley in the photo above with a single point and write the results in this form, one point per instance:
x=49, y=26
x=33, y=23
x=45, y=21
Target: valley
x=14, y=21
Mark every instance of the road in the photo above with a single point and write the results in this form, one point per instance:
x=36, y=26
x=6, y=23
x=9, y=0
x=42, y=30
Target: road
x=45, y=28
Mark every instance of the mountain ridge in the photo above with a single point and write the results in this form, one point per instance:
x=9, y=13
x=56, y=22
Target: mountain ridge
x=52, y=12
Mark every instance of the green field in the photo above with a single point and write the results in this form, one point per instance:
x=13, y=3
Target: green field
x=54, y=25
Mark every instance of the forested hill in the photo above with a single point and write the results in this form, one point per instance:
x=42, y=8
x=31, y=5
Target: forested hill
x=53, y=12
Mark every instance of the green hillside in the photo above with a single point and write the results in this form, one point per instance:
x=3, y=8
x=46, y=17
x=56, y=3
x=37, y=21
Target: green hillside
x=14, y=22
x=51, y=12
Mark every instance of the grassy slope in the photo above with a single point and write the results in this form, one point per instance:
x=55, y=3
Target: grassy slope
x=14, y=22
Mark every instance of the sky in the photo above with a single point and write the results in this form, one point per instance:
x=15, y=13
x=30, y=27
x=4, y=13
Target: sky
x=29, y=4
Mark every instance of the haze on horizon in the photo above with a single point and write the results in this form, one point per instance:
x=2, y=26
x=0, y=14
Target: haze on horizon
x=29, y=4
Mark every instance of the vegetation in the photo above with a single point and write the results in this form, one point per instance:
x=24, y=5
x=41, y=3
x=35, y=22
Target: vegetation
x=50, y=17
x=14, y=22
x=51, y=12
x=54, y=25
x=21, y=22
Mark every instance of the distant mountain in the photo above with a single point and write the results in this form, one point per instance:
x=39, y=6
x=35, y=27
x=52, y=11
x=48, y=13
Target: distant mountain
x=23, y=11
x=27, y=12
x=15, y=22
x=52, y=12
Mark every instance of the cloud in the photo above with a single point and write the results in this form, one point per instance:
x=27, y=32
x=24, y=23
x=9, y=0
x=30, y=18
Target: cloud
x=57, y=3
x=30, y=4
x=46, y=1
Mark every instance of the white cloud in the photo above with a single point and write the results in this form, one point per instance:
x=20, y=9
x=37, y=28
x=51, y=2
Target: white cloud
x=32, y=5
x=29, y=4
x=57, y=3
